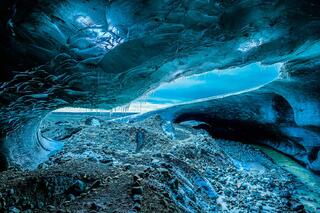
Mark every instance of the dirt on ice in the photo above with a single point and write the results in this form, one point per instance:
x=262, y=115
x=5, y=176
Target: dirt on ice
x=148, y=166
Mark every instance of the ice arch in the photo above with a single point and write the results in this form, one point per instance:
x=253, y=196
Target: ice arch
x=57, y=55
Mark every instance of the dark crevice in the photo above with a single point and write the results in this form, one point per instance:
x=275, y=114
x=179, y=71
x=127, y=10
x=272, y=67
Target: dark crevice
x=3, y=162
x=244, y=131
x=285, y=114
x=228, y=134
x=314, y=154
x=247, y=131
x=3, y=159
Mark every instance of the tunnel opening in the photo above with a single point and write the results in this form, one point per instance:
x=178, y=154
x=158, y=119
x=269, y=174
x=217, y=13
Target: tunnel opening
x=163, y=62
x=246, y=130
x=60, y=125
x=196, y=87
x=257, y=133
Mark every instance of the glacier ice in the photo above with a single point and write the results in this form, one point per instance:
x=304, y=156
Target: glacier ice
x=104, y=54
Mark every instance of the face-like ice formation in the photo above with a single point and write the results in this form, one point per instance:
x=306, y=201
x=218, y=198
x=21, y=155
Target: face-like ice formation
x=103, y=54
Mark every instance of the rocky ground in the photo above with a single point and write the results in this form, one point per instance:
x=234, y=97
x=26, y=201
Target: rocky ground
x=149, y=166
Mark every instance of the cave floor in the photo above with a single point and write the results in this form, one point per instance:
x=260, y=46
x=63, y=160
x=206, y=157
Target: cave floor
x=106, y=166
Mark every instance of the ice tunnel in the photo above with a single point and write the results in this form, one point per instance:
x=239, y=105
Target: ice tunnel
x=209, y=144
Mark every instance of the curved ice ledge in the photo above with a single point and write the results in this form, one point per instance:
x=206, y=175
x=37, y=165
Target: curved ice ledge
x=26, y=147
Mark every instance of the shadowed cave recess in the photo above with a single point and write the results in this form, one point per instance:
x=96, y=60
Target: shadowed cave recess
x=101, y=54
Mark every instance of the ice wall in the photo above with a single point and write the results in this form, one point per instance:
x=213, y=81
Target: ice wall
x=104, y=54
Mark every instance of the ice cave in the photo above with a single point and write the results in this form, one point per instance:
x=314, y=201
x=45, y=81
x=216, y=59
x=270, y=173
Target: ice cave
x=159, y=106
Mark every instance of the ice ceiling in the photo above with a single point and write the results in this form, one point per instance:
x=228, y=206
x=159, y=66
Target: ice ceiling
x=102, y=54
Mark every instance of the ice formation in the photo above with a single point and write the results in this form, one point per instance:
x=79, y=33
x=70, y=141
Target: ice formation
x=103, y=54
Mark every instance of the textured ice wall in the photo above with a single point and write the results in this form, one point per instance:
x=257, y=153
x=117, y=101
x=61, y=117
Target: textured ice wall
x=104, y=54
